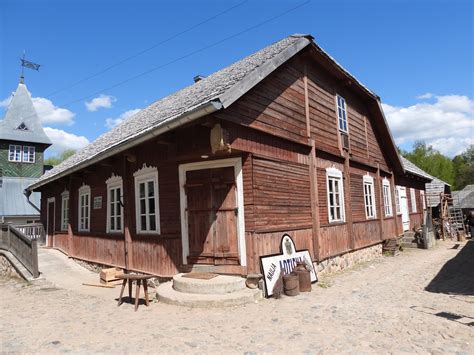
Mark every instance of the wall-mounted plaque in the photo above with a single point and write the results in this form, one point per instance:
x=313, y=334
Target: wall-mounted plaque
x=282, y=264
x=97, y=202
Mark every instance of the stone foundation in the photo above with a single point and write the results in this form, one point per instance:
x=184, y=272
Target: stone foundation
x=348, y=260
x=96, y=268
x=6, y=269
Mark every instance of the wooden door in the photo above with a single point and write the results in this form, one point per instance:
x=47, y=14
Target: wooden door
x=212, y=216
x=402, y=193
x=50, y=223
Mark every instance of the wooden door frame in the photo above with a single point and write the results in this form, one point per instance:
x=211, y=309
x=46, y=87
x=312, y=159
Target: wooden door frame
x=236, y=163
x=53, y=201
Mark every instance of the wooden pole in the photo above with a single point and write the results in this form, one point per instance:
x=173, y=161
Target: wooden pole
x=394, y=203
x=381, y=211
x=347, y=189
x=126, y=218
x=313, y=179
x=69, y=225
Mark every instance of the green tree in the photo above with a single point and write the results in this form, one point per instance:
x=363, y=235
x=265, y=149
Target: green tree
x=55, y=160
x=431, y=161
x=463, y=165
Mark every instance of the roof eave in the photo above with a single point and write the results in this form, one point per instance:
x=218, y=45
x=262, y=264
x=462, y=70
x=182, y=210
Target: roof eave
x=167, y=125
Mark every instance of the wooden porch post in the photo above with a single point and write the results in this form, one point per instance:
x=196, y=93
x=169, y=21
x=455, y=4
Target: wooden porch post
x=312, y=173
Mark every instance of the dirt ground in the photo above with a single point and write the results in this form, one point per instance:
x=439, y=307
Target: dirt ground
x=420, y=301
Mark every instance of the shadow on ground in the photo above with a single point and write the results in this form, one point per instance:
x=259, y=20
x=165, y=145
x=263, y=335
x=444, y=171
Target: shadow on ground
x=455, y=317
x=456, y=277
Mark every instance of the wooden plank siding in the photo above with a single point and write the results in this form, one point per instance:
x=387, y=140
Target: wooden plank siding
x=281, y=196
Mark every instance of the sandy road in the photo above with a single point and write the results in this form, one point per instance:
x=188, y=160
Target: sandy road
x=420, y=301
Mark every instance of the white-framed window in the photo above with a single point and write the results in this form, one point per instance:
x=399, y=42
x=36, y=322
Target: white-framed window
x=335, y=193
x=64, y=210
x=147, y=200
x=28, y=154
x=14, y=153
x=397, y=200
x=369, y=196
x=387, y=197
x=84, y=212
x=413, y=199
x=423, y=201
x=341, y=114
x=114, y=204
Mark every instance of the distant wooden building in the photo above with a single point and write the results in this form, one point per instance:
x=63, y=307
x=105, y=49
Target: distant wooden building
x=434, y=189
x=464, y=199
x=411, y=194
x=22, y=145
x=210, y=177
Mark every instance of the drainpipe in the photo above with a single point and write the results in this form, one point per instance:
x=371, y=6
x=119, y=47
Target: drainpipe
x=27, y=193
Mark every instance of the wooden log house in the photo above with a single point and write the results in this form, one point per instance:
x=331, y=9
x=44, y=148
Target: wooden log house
x=210, y=177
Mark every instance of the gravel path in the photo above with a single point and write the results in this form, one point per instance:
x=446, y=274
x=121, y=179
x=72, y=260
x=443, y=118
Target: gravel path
x=382, y=306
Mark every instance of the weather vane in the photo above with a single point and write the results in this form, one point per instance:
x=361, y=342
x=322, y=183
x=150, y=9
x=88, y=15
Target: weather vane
x=27, y=64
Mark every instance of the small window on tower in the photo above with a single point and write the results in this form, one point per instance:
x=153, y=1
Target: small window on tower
x=22, y=127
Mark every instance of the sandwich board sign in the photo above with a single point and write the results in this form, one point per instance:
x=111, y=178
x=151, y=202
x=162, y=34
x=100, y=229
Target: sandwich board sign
x=282, y=264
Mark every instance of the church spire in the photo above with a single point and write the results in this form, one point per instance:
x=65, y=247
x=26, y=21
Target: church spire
x=21, y=122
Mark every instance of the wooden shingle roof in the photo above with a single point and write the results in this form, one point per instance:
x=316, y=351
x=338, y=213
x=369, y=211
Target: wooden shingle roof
x=217, y=91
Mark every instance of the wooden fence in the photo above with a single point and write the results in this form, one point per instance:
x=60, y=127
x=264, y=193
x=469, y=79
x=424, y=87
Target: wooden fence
x=22, y=247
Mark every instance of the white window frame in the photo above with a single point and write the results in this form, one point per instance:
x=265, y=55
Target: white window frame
x=335, y=175
x=84, y=190
x=17, y=152
x=387, y=198
x=342, y=110
x=64, y=210
x=143, y=175
x=397, y=200
x=369, y=198
x=113, y=183
x=413, y=200
x=423, y=201
x=29, y=152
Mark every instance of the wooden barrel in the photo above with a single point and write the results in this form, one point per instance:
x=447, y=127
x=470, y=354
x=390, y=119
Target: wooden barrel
x=291, y=284
x=304, y=277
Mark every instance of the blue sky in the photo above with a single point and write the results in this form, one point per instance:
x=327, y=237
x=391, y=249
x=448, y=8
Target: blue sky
x=416, y=55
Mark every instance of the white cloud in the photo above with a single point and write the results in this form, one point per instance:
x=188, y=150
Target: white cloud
x=447, y=124
x=104, y=101
x=6, y=102
x=46, y=110
x=63, y=140
x=425, y=96
x=112, y=122
x=49, y=113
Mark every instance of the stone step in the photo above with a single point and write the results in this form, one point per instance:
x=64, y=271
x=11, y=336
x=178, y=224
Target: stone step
x=219, y=285
x=167, y=294
x=411, y=245
x=408, y=240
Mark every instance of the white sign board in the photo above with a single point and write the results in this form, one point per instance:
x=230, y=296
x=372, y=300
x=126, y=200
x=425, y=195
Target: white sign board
x=97, y=203
x=282, y=264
